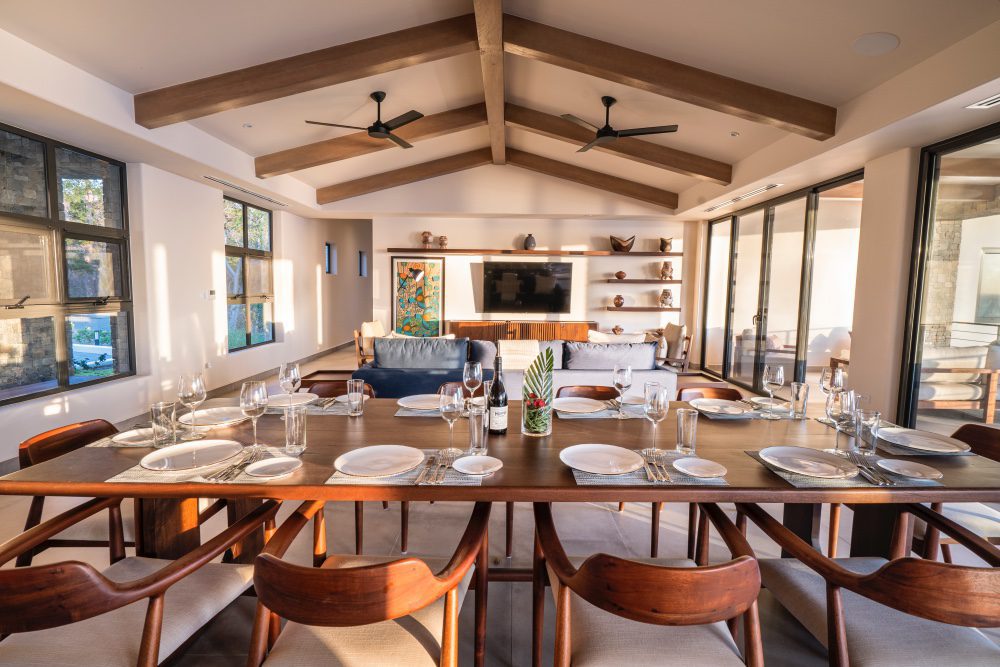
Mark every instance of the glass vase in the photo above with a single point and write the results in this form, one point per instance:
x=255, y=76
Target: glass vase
x=536, y=416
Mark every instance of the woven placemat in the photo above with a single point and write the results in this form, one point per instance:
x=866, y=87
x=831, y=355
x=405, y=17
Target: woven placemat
x=140, y=475
x=857, y=482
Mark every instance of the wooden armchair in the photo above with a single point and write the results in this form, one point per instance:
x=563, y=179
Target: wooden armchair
x=913, y=610
x=335, y=388
x=681, y=362
x=688, y=394
x=690, y=599
x=411, y=611
x=99, y=612
x=981, y=394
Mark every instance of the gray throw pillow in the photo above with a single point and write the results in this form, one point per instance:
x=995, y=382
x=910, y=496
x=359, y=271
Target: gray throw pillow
x=483, y=351
x=421, y=352
x=605, y=356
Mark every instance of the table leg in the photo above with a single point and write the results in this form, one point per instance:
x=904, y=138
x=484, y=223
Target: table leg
x=803, y=520
x=248, y=548
x=168, y=528
x=872, y=531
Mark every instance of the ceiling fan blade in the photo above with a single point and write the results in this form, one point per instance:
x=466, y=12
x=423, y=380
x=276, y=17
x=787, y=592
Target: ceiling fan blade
x=349, y=127
x=578, y=121
x=597, y=142
x=399, y=142
x=637, y=131
x=403, y=119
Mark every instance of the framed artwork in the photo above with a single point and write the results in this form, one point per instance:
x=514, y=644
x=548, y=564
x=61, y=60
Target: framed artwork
x=418, y=295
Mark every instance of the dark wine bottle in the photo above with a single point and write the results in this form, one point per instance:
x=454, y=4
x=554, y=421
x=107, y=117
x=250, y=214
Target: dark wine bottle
x=496, y=402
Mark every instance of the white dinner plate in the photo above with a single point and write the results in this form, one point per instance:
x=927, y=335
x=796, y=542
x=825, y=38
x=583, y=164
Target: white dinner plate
x=719, y=406
x=601, y=459
x=575, y=405
x=809, y=462
x=924, y=441
x=477, y=465
x=379, y=460
x=287, y=400
x=420, y=402
x=343, y=398
x=696, y=467
x=214, y=417
x=633, y=399
x=137, y=437
x=765, y=403
x=909, y=469
x=189, y=455
x=275, y=467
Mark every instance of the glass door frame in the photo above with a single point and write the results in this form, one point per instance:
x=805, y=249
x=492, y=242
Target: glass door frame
x=812, y=196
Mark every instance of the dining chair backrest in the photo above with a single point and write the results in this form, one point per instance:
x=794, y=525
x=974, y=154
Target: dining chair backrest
x=596, y=392
x=983, y=438
x=452, y=386
x=59, y=441
x=687, y=394
x=334, y=388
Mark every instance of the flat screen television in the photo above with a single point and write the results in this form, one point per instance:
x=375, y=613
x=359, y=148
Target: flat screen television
x=526, y=287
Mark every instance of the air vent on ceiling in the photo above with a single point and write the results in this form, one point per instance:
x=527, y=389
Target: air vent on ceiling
x=745, y=195
x=245, y=191
x=989, y=103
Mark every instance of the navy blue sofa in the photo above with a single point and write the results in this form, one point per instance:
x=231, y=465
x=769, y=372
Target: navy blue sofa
x=407, y=366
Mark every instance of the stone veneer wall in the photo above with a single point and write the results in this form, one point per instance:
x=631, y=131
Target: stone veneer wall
x=22, y=175
x=27, y=351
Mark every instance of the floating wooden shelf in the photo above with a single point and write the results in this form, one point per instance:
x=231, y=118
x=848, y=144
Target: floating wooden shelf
x=644, y=309
x=543, y=253
x=644, y=281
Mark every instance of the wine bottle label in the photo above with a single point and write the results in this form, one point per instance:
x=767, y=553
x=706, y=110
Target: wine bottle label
x=498, y=418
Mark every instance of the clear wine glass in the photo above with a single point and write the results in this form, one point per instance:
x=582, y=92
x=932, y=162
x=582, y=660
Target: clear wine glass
x=191, y=393
x=774, y=378
x=289, y=379
x=472, y=377
x=253, y=403
x=656, y=404
x=831, y=382
x=451, y=402
x=622, y=379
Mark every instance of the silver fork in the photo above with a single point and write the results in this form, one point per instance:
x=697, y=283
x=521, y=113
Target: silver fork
x=859, y=460
x=446, y=460
x=218, y=474
x=651, y=457
x=233, y=471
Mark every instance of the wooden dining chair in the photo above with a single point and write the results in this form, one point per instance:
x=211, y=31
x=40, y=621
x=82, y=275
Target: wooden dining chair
x=335, y=388
x=596, y=392
x=606, y=605
x=688, y=394
x=896, y=611
x=69, y=613
x=366, y=610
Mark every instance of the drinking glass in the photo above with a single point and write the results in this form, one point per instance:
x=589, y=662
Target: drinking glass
x=831, y=383
x=622, y=379
x=191, y=393
x=477, y=435
x=253, y=403
x=289, y=379
x=162, y=417
x=472, y=377
x=451, y=403
x=656, y=404
x=849, y=401
x=774, y=378
x=295, y=430
x=355, y=398
x=866, y=425
x=687, y=426
x=800, y=398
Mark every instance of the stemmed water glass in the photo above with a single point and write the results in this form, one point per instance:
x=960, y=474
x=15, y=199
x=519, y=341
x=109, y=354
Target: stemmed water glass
x=774, y=378
x=253, y=403
x=622, y=379
x=289, y=379
x=831, y=383
x=656, y=404
x=451, y=403
x=191, y=393
x=472, y=377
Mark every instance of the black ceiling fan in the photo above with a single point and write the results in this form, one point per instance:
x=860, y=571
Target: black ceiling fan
x=607, y=133
x=378, y=129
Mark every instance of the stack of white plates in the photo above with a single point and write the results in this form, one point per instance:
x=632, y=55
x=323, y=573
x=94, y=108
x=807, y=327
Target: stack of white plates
x=379, y=460
x=288, y=400
x=191, y=455
x=922, y=441
x=601, y=459
x=719, y=408
x=809, y=462
x=420, y=402
x=215, y=417
x=575, y=405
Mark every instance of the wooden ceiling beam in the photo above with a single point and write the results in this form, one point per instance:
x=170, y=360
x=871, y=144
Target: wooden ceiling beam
x=594, y=179
x=646, y=152
x=489, y=27
x=305, y=72
x=668, y=78
x=359, y=143
x=412, y=174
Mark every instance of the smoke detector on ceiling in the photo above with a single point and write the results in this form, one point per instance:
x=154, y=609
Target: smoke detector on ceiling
x=875, y=44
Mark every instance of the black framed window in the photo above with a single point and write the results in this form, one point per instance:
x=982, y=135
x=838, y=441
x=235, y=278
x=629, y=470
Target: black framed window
x=249, y=279
x=65, y=287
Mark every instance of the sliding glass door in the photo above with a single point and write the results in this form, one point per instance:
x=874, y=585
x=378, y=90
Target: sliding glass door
x=720, y=235
x=745, y=297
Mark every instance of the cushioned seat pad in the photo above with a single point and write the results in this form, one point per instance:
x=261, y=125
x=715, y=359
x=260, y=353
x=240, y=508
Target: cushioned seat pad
x=981, y=518
x=602, y=639
x=112, y=639
x=410, y=641
x=876, y=634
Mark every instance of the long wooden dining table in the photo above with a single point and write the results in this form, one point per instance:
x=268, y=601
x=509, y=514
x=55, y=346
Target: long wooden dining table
x=532, y=472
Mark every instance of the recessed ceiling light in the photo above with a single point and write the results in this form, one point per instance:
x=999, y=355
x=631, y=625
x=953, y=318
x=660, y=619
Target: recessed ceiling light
x=247, y=125
x=734, y=133
x=875, y=44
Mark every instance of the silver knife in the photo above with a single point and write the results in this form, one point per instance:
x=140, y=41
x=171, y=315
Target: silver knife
x=649, y=471
x=423, y=473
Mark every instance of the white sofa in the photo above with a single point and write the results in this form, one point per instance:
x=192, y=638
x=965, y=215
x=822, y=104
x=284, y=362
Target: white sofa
x=960, y=378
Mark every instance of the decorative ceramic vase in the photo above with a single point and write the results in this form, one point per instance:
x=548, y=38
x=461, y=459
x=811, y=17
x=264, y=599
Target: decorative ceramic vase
x=620, y=275
x=443, y=242
x=667, y=271
x=617, y=330
x=666, y=299
x=622, y=245
x=666, y=244
x=427, y=239
x=619, y=301
x=536, y=406
x=529, y=242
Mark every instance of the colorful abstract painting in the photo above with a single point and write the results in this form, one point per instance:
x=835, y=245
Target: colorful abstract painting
x=418, y=296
